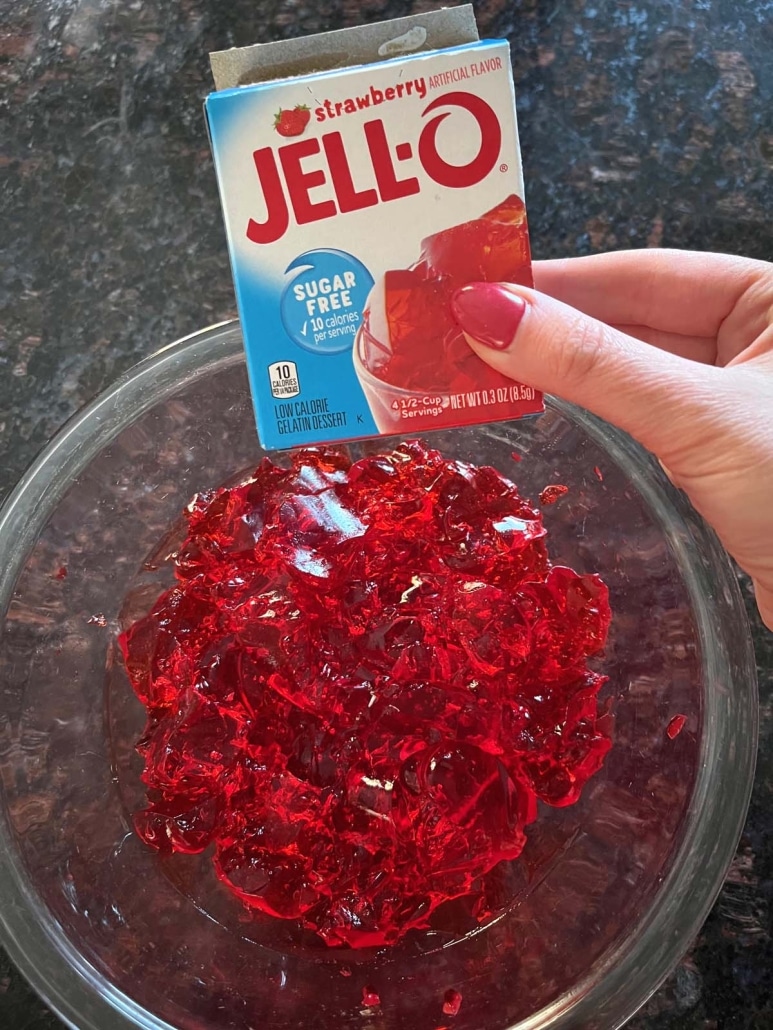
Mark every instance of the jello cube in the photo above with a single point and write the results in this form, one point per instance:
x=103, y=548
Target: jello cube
x=492, y=248
x=415, y=320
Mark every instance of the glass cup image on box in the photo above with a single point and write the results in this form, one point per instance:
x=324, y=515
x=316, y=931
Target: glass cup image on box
x=413, y=362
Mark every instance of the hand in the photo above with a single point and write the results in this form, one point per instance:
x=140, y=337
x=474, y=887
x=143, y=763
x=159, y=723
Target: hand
x=674, y=347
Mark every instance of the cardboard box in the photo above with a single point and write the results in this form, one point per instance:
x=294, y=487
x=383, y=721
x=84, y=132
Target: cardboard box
x=365, y=175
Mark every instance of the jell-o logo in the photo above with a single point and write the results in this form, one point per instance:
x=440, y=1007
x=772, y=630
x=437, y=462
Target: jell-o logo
x=289, y=174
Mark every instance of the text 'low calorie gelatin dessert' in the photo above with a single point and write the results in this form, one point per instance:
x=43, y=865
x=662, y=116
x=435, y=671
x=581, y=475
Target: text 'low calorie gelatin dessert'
x=366, y=677
x=419, y=369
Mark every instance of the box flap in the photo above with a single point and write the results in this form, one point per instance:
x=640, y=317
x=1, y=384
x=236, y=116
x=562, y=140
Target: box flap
x=361, y=44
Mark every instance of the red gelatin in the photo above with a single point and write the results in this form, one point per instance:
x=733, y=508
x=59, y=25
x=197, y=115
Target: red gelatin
x=366, y=678
x=552, y=493
x=414, y=343
x=421, y=330
x=425, y=349
x=675, y=726
x=370, y=998
x=493, y=248
x=452, y=1002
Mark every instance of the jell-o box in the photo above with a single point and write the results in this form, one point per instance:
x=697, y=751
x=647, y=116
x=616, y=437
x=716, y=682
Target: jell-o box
x=365, y=176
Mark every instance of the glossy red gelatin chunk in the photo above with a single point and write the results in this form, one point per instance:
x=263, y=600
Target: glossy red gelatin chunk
x=414, y=343
x=420, y=329
x=675, y=726
x=370, y=998
x=452, y=1002
x=552, y=493
x=365, y=679
x=493, y=248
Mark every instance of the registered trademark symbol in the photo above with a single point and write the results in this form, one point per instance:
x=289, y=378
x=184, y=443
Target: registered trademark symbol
x=503, y=168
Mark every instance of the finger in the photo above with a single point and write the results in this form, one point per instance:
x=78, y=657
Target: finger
x=694, y=348
x=676, y=291
x=665, y=401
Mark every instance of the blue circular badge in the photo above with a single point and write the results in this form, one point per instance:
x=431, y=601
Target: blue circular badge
x=322, y=305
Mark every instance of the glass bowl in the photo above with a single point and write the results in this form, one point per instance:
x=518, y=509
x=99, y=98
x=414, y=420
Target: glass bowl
x=607, y=894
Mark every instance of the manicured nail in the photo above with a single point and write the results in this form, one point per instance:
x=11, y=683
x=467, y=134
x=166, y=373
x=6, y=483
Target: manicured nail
x=489, y=313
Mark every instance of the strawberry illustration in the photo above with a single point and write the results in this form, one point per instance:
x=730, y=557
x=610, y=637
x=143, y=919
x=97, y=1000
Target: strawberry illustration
x=302, y=115
x=292, y=123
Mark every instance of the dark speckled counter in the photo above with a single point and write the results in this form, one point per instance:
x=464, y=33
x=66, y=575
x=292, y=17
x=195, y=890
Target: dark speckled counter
x=643, y=122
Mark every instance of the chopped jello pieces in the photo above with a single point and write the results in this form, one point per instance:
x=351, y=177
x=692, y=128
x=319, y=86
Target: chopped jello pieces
x=552, y=493
x=364, y=681
x=675, y=726
x=409, y=339
x=370, y=998
x=452, y=1002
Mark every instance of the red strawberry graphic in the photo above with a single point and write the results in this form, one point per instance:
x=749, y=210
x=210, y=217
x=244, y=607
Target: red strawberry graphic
x=292, y=123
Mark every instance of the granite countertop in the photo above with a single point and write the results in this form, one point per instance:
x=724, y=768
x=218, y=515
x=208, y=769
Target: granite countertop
x=643, y=122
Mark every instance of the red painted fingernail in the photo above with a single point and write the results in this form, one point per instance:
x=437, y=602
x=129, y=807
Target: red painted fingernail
x=489, y=313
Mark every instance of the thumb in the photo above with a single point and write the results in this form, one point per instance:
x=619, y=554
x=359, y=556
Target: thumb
x=666, y=402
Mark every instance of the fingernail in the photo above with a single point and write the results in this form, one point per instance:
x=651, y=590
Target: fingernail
x=489, y=313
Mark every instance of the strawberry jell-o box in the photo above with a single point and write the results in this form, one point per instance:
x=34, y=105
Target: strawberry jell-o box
x=357, y=199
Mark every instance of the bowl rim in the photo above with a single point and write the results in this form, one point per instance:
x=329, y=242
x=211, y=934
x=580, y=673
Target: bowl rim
x=626, y=975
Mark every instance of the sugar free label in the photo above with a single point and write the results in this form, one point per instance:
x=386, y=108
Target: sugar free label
x=322, y=305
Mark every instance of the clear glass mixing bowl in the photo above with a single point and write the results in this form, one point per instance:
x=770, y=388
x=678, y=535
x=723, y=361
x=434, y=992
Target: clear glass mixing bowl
x=607, y=894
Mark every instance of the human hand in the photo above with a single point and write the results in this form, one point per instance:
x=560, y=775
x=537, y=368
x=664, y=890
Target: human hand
x=672, y=346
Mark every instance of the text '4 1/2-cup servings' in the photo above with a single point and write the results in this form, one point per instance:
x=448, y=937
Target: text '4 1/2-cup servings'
x=356, y=202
